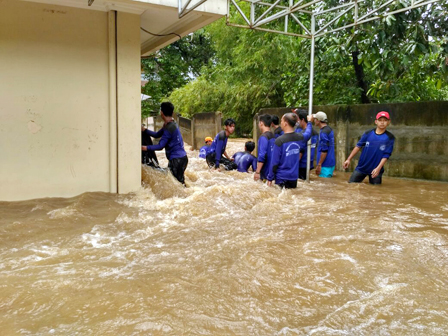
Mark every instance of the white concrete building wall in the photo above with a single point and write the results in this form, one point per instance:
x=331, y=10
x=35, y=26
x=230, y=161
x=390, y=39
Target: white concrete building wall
x=57, y=91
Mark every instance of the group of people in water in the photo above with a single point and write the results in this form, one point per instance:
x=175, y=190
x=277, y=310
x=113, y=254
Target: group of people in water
x=281, y=148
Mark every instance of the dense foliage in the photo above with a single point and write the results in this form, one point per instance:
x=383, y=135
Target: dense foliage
x=396, y=59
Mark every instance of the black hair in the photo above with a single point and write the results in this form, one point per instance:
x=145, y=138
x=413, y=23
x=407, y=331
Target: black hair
x=275, y=120
x=250, y=146
x=266, y=119
x=291, y=118
x=229, y=122
x=167, y=109
x=302, y=114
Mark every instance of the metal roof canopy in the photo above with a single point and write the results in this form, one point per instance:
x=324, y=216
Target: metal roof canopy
x=306, y=20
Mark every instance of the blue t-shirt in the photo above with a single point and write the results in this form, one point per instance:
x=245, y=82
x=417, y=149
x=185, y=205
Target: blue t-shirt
x=285, y=156
x=204, y=151
x=265, y=144
x=304, y=150
x=245, y=161
x=326, y=144
x=237, y=156
x=171, y=140
x=375, y=147
x=219, y=146
x=277, y=132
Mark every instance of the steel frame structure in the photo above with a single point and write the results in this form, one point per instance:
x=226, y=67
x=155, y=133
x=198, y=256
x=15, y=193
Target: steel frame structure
x=306, y=16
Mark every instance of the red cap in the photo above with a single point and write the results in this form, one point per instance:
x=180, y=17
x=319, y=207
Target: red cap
x=382, y=114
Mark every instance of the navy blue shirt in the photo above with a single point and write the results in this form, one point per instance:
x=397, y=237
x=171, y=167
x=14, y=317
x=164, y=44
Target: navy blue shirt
x=277, y=132
x=237, y=156
x=326, y=145
x=375, y=147
x=245, y=161
x=219, y=146
x=285, y=156
x=304, y=149
x=204, y=151
x=171, y=140
x=265, y=144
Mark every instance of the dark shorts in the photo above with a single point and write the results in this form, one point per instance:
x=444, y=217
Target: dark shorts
x=358, y=177
x=177, y=168
x=288, y=184
x=228, y=164
x=302, y=173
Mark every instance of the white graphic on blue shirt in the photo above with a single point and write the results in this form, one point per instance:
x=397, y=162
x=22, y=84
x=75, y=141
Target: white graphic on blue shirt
x=292, y=149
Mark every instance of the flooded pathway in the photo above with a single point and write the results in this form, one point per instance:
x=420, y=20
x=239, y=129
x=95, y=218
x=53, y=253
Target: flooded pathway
x=228, y=256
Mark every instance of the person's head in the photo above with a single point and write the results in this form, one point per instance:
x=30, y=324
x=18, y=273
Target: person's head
x=275, y=121
x=264, y=121
x=320, y=119
x=288, y=122
x=208, y=141
x=167, y=109
x=382, y=120
x=249, y=146
x=302, y=115
x=143, y=127
x=229, y=125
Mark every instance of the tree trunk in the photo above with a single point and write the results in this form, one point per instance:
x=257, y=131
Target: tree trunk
x=359, y=71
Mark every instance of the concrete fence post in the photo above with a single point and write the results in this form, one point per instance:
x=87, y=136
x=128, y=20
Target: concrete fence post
x=193, y=133
x=218, y=122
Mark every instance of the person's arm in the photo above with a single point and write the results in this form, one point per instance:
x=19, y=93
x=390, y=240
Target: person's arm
x=156, y=135
x=254, y=164
x=276, y=154
x=228, y=157
x=377, y=170
x=350, y=157
x=262, y=152
x=387, y=153
x=218, y=153
x=308, y=132
x=162, y=143
x=361, y=143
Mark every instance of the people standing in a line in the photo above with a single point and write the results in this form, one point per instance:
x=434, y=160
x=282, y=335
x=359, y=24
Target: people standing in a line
x=148, y=157
x=265, y=144
x=326, y=160
x=377, y=145
x=284, y=166
x=218, y=148
x=172, y=142
x=204, y=150
x=275, y=124
x=301, y=128
x=245, y=160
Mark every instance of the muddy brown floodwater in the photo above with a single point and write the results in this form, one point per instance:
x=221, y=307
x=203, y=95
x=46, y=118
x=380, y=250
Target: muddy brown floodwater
x=228, y=256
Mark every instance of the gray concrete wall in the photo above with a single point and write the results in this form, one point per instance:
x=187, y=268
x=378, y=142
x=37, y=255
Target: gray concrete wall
x=420, y=129
x=202, y=125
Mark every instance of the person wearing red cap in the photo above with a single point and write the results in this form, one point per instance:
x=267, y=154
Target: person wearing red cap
x=377, y=145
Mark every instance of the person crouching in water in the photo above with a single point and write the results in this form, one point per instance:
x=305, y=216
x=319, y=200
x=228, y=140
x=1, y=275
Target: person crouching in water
x=205, y=149
x=377, y=145
x=218, y=148
x=284, y=166
x=172, y=142
x=245, y=160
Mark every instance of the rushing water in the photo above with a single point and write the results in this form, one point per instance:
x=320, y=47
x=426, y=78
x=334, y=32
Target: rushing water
x=228, y=256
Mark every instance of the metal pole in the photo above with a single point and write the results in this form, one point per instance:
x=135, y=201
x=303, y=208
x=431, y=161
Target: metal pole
x=310, y=99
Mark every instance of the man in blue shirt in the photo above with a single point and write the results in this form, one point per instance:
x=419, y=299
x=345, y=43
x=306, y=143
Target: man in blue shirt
x=218, y=148
x=265, y=144
x=245, y=160
x=377, y=145
x=326, y=160
x=205, y=149
x=284, y=166
x=172, y=142
x=301, y=128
